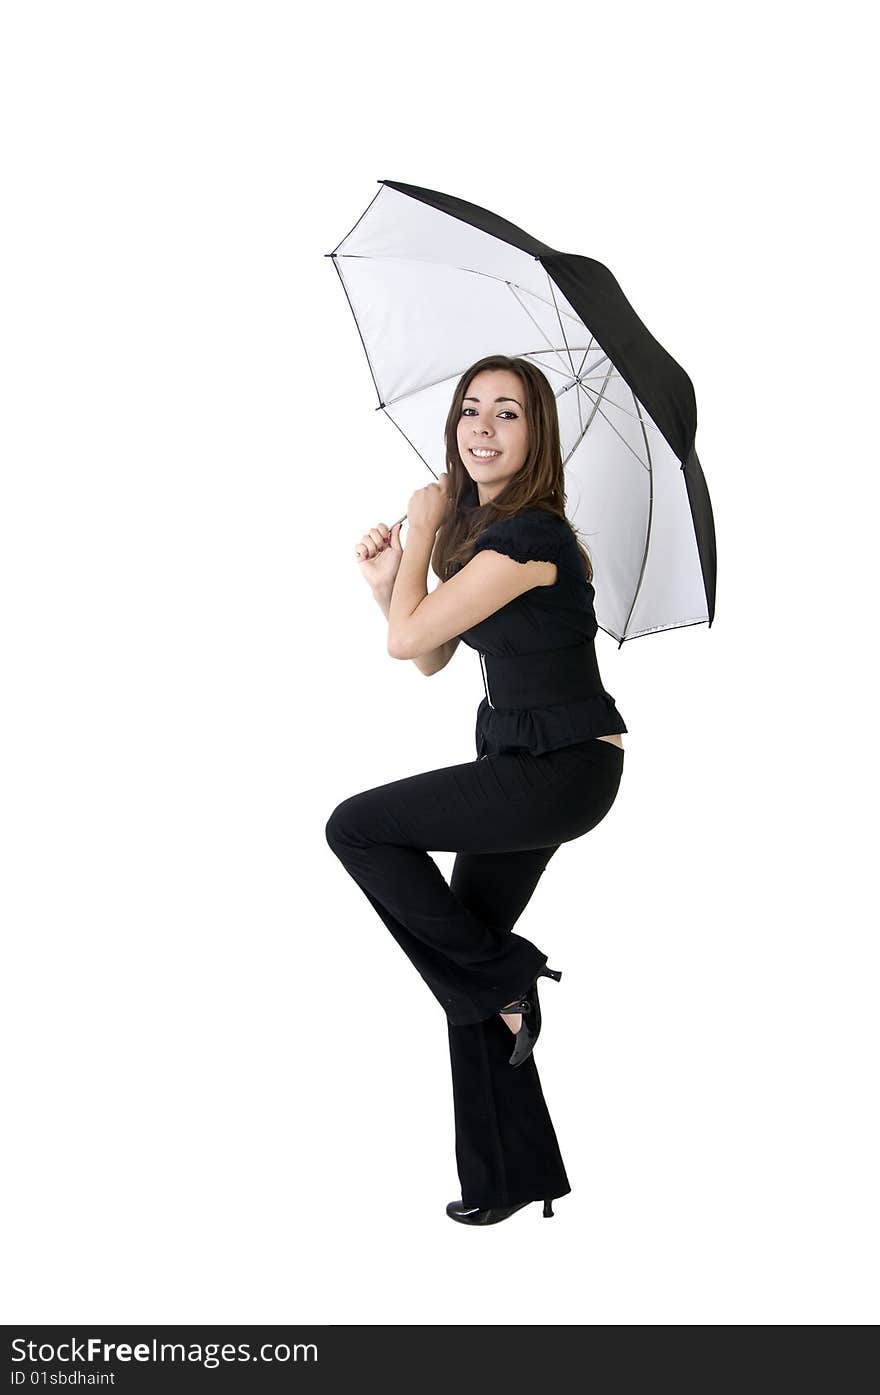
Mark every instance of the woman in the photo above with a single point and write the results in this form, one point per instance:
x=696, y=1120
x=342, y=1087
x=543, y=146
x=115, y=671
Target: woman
x=516, y=585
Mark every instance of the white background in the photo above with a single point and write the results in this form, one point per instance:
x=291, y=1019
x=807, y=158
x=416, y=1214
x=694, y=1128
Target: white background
x=227, y=1091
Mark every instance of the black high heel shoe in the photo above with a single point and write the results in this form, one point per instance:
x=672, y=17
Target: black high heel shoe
x=531, y=1017
x=473, y=1216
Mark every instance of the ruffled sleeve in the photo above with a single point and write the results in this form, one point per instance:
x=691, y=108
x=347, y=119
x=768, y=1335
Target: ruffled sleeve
x=535, y=536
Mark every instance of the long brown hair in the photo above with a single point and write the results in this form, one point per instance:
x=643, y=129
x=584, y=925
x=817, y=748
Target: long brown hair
x=540, y=484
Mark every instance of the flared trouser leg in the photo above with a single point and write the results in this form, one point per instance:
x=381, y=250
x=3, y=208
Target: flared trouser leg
x=505, y=1143
x=506, y=1149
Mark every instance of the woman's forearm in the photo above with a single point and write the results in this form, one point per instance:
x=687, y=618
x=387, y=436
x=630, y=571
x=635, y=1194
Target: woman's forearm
x=426, y=663
x=411, y=582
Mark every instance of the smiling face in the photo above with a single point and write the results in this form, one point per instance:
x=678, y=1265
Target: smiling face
x=493, y=424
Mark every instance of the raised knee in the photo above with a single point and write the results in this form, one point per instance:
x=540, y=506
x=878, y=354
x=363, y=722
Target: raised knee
x=333, y=828
x=341, y=827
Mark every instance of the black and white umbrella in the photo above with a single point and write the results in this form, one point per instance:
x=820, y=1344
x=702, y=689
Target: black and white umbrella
x=436, y=283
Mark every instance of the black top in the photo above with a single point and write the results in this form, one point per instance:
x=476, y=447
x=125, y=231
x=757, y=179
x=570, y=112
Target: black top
x=543, y=688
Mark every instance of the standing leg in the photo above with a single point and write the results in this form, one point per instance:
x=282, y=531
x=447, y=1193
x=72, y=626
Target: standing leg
x=505, y=1144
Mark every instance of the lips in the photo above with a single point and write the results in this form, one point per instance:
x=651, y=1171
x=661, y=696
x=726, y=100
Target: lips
x=493, y=455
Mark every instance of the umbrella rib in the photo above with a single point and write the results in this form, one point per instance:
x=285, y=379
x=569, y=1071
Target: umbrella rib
x=566, y=370
x=561, y=326
x=618, y=406
x=358, y=328
x=423, y=387
x=650, y=519
x=526, y=353
x=551, y=369
x=468, y=271
x=579, y=439
x=614, y=428
x=552, y=346
x=409, y=443
x=565, y=341
x=336, y=251
x=586, y=351
x=592, y=346
x=596, y=408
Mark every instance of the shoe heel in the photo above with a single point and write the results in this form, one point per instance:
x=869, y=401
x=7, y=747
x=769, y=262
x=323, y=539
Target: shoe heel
x=518, y=1005
x=550, y=973
x=548, y=1208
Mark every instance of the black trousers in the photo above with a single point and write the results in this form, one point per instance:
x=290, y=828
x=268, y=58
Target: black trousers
x=504, y=815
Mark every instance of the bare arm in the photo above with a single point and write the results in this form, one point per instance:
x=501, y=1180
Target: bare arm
x=426, y=626
x=379, y=554
x=434, y=659
x=421, y=622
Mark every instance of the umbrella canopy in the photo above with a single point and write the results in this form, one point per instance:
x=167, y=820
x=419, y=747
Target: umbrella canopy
x=436, y=283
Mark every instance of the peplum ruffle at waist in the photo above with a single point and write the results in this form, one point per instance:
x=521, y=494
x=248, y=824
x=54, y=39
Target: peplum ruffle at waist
x=500, y=730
